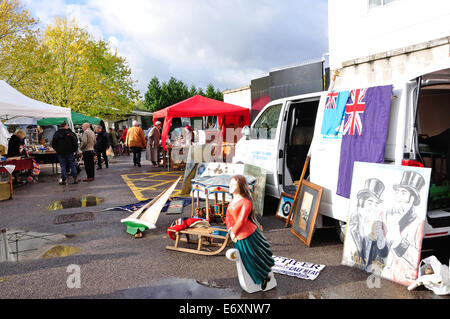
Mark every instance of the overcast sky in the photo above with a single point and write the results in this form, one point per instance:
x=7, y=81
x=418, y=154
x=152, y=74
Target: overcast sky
x=224, y=42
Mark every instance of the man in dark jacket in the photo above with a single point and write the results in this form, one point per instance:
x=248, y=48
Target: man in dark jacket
x=65, y=143
x=101, y=146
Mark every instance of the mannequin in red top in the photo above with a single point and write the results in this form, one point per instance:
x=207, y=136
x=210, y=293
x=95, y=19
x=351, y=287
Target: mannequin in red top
x=244, y=229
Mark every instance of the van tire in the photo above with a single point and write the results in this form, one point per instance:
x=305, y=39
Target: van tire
x=340, y=229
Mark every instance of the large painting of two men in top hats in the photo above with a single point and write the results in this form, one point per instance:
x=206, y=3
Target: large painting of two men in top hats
x=388, y=206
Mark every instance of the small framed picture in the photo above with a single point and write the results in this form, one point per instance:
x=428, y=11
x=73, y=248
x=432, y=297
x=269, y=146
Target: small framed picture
x=284, y=207
x=306, y=207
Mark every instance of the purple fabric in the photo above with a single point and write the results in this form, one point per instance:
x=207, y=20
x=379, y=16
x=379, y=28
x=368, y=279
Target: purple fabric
x=367, y=144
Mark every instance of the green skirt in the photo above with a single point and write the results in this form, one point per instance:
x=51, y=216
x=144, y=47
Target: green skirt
x=256, y=256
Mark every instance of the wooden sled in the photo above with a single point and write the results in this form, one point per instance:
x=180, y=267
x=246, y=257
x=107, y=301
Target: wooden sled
x=206, y=240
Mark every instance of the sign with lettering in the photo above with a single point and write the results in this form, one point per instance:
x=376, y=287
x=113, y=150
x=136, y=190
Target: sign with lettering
x=299, y=269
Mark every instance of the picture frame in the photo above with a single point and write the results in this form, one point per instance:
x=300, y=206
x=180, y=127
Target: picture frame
x=386, y=218
x=306, y=207
x=284, y=207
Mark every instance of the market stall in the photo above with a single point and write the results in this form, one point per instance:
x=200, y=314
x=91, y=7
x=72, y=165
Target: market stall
x=13, y=168
x=46, y=156
x=18, y=108
x=229, y=115
x=77, y=119
x=14, y=104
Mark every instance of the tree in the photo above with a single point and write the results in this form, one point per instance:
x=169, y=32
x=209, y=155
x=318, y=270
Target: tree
x=152, y=98
x=71, y=69
x=173, y=92
x=159, y=96
x=219, y=95
x=193, y=91
x=213, y=93
x=18, y=42
x=14, y=19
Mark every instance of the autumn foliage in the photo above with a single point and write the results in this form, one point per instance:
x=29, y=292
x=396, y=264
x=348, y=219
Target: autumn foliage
x=63, y=65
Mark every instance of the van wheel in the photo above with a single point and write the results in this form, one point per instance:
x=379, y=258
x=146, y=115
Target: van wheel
x=340, y=230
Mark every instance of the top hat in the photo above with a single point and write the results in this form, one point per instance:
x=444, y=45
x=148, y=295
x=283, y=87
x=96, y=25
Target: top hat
x=413, y=182
x=373, y=187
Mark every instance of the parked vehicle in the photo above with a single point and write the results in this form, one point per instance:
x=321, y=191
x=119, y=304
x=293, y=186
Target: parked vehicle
x=287, y=130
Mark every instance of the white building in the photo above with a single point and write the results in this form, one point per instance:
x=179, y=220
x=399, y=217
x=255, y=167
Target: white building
x=241, y=97
x=380, y=41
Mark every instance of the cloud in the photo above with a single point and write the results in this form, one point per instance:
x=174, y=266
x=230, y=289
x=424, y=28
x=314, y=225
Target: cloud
x=224, y=42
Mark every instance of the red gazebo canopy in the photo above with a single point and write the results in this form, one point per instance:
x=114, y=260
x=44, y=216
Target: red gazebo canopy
x=229, y=115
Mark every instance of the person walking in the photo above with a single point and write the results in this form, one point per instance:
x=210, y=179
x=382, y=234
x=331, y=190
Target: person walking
x=136, y=142
x=123, y=139
x=114, y=142
x=101, y=146
x=65, y=143
x=88, y=141
x=153, y=146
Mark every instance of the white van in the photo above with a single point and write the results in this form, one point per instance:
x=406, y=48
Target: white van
x=286, y=130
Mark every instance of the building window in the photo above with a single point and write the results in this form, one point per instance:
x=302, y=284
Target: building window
x=378, y=3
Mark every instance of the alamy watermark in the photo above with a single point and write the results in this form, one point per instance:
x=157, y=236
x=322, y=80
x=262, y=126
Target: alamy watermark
x=374, y=280
x=74, y=279
x=212, y=149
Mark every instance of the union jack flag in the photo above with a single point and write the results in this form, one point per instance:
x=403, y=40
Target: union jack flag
x=331, y=100
x=353, y=113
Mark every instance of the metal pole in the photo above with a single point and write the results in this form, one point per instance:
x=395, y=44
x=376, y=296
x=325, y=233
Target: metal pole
x=3, y=231
x=17, y=249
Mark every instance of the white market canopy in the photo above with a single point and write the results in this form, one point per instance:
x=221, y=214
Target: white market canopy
x=14, y=104
x=22, y=120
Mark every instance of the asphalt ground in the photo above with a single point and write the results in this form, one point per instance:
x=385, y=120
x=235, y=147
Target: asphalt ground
x=113, y=264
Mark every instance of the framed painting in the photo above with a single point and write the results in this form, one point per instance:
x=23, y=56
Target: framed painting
x=386, y=218
x=260, y=187
x=284, y=207
x=306, y=207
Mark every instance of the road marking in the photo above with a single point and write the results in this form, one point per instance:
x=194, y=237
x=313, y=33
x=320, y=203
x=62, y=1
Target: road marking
x=133, y=179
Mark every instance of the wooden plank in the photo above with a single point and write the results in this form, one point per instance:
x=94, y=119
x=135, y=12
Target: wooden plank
x=200, y=234
x=305, y=166
x=177, y=240
x=193, y=251
x=185, y=240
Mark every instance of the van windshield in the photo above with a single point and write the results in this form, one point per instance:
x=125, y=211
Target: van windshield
x=267, y=124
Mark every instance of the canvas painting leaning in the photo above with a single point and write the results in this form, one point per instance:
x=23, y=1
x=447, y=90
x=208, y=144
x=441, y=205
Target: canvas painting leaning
x=388, y=206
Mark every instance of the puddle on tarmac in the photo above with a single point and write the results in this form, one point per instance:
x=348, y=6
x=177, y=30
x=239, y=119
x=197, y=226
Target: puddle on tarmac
x=60, y=251
x=179, y=288
x=17, y=245
x=83, y=201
